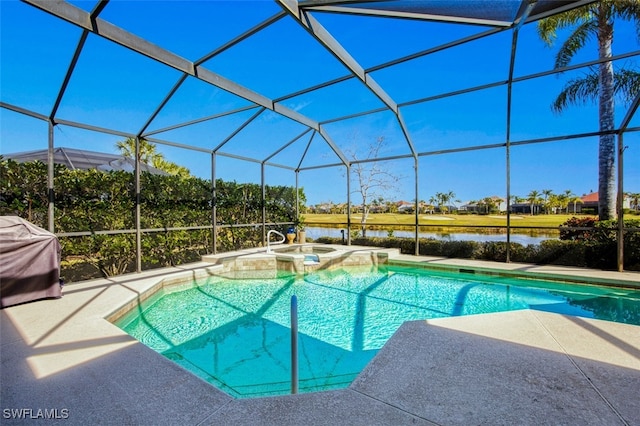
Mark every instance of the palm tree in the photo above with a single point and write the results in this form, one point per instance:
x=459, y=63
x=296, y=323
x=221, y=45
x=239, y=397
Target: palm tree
x=150, y=156
x=451, y=196
x=489, y=203
x=533, y=198
x=563, y=201
x=547, y=193
x=445, y=199
x=170, y=167
x=567, y=198
x=513, y=200
x=575, y=200
x=602, y=83
x=439, y=200
x=148, y=151
x=634, y=198
x=517, y=200
x=432, y=203
x=555, y=203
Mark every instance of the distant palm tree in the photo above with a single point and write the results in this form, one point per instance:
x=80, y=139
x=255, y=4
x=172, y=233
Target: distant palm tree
x=432, y=203
x=517, y=200
x=451, y=196
x=555, y=203
x=150, y=156
x=533, y=198
x=563, y=201
x=602, y=83
x=575, y=200
x=567, y=198
x=547, y=193
x=170, y=167
x=445, y=199
x=148, y=151
x=490, y=204
x=634, y=198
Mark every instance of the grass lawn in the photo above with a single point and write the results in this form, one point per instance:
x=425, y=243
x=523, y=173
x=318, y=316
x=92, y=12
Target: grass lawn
x=390, y=219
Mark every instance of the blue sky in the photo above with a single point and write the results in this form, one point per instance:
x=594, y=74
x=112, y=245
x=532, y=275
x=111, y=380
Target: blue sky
x=115, y=88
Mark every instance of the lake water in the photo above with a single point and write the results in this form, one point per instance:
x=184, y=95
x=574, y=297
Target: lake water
x=524, y=239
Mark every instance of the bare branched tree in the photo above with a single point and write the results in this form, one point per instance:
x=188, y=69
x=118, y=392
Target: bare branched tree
x=374, y=179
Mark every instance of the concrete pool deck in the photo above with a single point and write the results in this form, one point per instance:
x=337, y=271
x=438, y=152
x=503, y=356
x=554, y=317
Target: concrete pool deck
x=522, y=367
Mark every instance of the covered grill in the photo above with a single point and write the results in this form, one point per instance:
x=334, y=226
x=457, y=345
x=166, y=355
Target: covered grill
x=29, y=262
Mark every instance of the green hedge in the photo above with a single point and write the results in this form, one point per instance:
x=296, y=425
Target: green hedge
x=591, y=254
x=92, y=201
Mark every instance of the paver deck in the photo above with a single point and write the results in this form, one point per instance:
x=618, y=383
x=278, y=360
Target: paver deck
x=520, y=367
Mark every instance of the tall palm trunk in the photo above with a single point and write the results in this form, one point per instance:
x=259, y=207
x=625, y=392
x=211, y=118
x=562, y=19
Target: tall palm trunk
x=606, y=149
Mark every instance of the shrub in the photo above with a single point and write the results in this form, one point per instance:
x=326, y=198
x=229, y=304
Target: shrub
x=566, y=233
x=607, y=236
x=598, y=253
x=554, y=252
x=91, y=201
x=462, y=249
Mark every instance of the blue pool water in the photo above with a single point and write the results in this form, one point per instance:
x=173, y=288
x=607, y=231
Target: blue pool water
x=235, y=333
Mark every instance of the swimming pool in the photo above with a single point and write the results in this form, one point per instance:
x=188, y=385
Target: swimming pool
x=234, y=333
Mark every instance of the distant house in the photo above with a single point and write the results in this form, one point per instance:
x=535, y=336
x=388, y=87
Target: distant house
x=405, y=206
x=499, y=203
x=525, y=208
x=378, y=208
x=329, y=207
x=473, y=207
x=80, y=159
x=481, y=206
x=467, y=206
x=426, y=208
x=323, y=208
x=446, y=209
x=589, y=204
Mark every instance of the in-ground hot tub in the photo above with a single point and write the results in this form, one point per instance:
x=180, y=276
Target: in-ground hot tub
x=296, y=259
x=305, y=249
x=304, y=257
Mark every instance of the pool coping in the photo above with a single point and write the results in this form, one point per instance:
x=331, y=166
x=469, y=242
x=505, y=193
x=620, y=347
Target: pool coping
x=560, y=273
x=54, y=351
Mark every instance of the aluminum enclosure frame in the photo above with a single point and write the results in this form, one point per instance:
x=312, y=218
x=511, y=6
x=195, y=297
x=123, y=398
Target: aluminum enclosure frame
x=302, y=12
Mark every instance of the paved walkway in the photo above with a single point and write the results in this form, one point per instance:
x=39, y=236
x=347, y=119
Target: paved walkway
x=523, y=367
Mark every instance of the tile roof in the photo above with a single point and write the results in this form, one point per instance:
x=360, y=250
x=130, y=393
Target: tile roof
x=590, y=198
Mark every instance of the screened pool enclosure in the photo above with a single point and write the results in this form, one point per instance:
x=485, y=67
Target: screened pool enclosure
x=249, y=98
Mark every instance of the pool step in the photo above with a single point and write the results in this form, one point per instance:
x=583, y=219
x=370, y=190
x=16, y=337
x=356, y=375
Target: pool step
x=311, y=259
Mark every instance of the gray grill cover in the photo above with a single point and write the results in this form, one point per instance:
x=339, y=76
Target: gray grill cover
x=29, y=262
